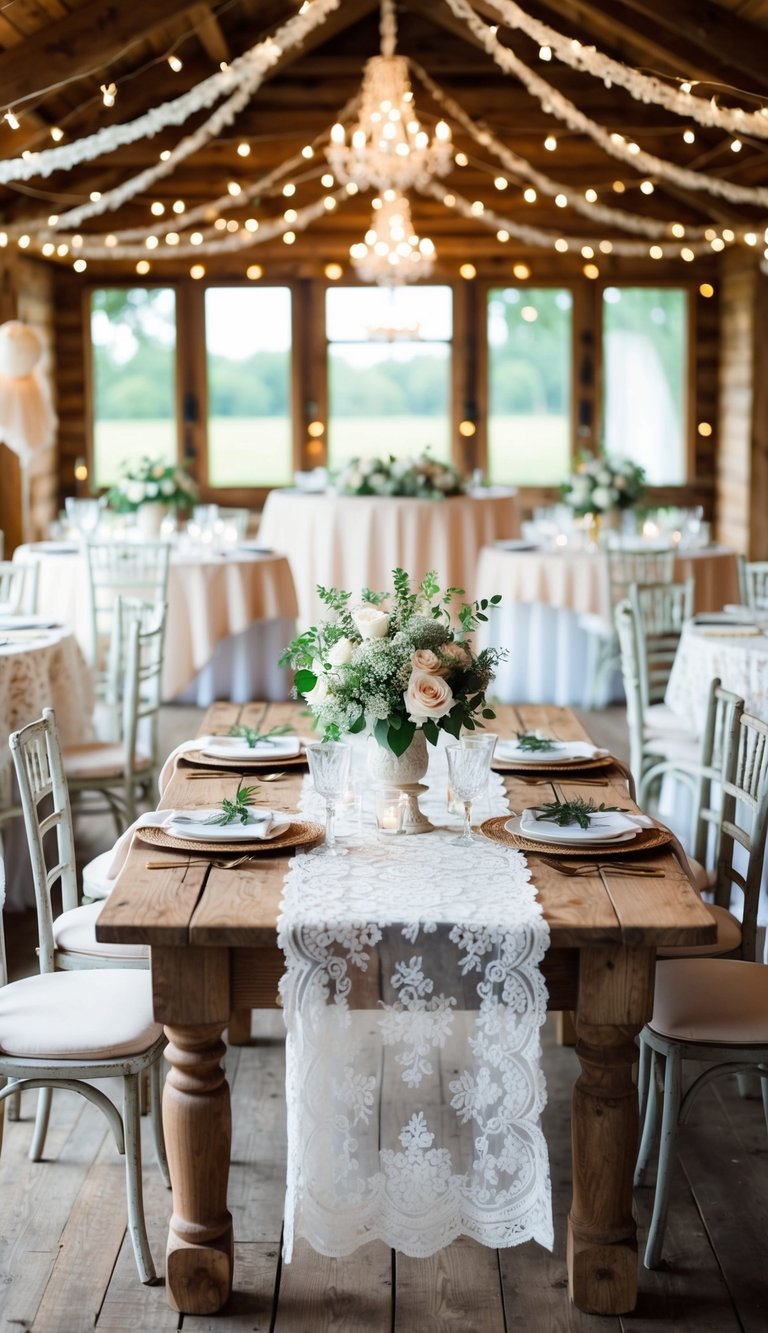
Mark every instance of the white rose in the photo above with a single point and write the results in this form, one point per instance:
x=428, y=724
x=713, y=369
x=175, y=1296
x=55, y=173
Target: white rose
x=425, y=660
x=603, y=497
x=371, y=622
x=427, y=696
x=167, y=487
x=152, y=490
x=604, y=477
x=341, y=652
x=366, y=465
x=134, y=492
x=319, y=692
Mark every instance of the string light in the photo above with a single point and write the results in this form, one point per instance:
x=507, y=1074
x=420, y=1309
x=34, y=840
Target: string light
x=251, y=224
x=736, y=145
x=308, y=151
x=591, y=271
x=11, y=119
x=521, y=271
x=95, y=196
x=232, y=225
x=545, y=53
x=289, y=237
x=57, y=133
x=689, y=136
x=143, y=266
x=468, y=271
x=550, y=143
x=501, y=182
x=196, y=238
x=175, y=64
x=110, y=240
x=656, y=252
x=646, y=187
x=254, y=272
x=157, y=209
x=234, y=189
x=561, y=200
x=530, y=196
x=80, y=266
x=333, y=272
x=289, y=189
x=23, y=241
x=108, y=93
x=706, y=290
x=172, y=238
x=327, y=180
x=461, y=160
x=197, y=272
x=243, y=150
x=502, y=235
x=178, y=206
x=591, y=196
x=49, y=249
x=561, y=245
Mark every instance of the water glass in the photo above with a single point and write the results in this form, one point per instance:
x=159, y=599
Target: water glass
x=468, y=770
x=83, y=514
x=329, y=766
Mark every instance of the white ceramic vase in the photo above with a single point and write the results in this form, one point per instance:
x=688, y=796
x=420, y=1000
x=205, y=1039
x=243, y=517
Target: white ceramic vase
x=149, y=518
x=405, y=772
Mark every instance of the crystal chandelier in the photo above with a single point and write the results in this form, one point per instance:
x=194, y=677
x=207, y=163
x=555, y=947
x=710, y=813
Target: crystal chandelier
x=392, y=253
x=388, y=146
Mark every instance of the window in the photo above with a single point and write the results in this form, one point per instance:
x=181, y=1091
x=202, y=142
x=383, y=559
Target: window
x=645, y=354
x=529, y=385
x=133, y=350
x=248, y=347
x=389, y=371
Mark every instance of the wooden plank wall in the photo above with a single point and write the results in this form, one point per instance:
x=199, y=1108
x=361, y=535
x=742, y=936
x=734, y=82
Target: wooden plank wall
x=740, y=483
x=26, y=293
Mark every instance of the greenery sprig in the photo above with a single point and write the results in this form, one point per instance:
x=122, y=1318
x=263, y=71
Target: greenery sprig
x=528, y=740
x=252, y=736
x=576, y=811
x=236, y=810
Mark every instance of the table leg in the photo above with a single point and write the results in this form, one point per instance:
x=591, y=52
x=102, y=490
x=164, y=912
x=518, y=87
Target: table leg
x=615, y=999
x=198, y=1133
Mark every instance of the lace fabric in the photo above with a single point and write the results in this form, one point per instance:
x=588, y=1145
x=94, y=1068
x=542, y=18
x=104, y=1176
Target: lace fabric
x=413, y=1001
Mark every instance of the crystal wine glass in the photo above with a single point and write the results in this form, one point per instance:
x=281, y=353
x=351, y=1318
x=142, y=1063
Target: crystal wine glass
x=468, y=769
x=329, y=765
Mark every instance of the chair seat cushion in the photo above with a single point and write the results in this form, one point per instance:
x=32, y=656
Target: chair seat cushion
x=75, y=933
x=96, y=1014
x=593, y=623
x=708, y=1000
x=684, y=749
x=728, y=938
x=98, y=759
x=96, y=883
x=661, y=721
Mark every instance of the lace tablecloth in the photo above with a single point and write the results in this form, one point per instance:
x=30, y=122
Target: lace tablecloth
x=740, y=660
x=413, y=1002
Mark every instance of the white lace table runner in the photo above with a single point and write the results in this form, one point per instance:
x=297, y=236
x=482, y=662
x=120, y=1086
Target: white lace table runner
x=413, y=1002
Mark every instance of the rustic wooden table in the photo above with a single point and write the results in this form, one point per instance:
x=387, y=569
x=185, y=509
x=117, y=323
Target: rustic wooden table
x=214, y=956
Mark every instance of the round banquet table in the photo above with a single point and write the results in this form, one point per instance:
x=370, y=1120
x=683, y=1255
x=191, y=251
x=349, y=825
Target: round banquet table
x=355, y=541
x=229, y=618
x=705, y=651
x=545, y=595
x=38, y=669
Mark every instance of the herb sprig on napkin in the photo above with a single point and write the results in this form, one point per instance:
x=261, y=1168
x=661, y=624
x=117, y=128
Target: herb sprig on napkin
x=253, y=737
x=528, y=740
x=576, y=811
x=235, y=810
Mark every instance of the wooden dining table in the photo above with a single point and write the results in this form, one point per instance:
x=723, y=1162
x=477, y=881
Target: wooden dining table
x=212, y=934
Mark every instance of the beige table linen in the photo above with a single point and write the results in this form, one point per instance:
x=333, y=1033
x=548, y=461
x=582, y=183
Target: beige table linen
x=356, y=541
x=210, y=598
x=576, y=580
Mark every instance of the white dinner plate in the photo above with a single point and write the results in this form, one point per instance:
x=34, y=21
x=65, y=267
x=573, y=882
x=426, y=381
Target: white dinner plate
x=234, y=747
x=568, y=836
x=564, y=752
x=199, y=831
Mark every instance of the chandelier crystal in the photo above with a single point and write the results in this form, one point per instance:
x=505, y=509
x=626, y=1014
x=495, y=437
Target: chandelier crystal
x=391, y=252
x=388, y=147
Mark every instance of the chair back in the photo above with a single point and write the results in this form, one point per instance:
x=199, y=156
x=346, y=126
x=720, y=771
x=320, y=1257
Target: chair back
x=628, y=566
x=744, y=822
x=122, y=569
x=134, y=676
x=18, y=586
x=661, y=610
x=718, y=741
x=45, y=806
x=626, y=629
x=754, y=584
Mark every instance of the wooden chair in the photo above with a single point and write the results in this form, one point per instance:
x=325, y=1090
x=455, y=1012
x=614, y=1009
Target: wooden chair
x=655, y=735
x=753, y=583
x=62, y=1029
x=124, y=770
x=711, y=1010
x=137, y=570
x=661, y=610
x=18, y=587
x=622, y=569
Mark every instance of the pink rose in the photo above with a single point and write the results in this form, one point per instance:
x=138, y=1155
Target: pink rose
x=427, y=696
x=425, y=660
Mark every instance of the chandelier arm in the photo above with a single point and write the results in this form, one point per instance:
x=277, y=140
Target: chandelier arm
x=388, y=28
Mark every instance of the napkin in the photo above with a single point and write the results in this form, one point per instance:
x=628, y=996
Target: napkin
x=510, y=752
x=235, y=747
x=166, y=772
x=604, y=826
x=263, y=824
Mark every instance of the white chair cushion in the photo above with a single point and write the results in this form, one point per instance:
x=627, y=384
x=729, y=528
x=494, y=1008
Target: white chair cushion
x=96, y=883
x=687, y=751
x=596, y=624
x=661, y=721
x=96, y=1014
x=74, y=933
x=719, y=1000
x=728, y=938
x=100, y=760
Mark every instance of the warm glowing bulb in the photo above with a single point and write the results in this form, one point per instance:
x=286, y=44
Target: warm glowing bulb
x=151, y=242
x=234, y=189
x=251, y=224
x=110, y=240
x=196, y=238
x=502, y=235
x=157, y=209
x=307, y=151
x=705, y=429
x=57, y=133
x=172, y=238
x=178, y=205
x=61, y=250
x=687, y=254
x=333, y=272
x=468, y=271
x=315, y=429
x=587, y=252
x=243, y=150
x=521, y=271
x=327, y=180
x=618, y=187
x=646, y=187
x=24, y=241
x=108, y=93
x=591, y=271
x=545, y=53
x=175, y=63
x=550, y=143
x=49, y=249
x=656, y=252
x=750, y=238
x=501, y=182
x=166, y=153
x=736, y=145
x=689, y=136
x=232, y=226
x=11, y=119
x=467, y=428
x=561, y=245
x=530, y=195
x=591, y=196
x=289, y=237
x=478, y=208
x=706, y=289
x=143, y=267
x=254, y=272
x=289, y=190
x=561, y=200
x=79, y=266
x=678, y=230
x=197, y=271
x=461, y=159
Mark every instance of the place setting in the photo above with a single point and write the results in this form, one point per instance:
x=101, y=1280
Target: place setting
x=236, y=822
x=245, y=749
x=533, y=752
x=577, y=826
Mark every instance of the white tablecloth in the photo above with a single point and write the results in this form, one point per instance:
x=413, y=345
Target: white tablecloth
x=356, y=541
x=48, y=671
x=412, y=1054
x=740, y=660
x=546, y=593
x=229, y=617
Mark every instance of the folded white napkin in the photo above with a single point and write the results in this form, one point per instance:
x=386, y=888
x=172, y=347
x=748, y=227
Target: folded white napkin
x=166, y=772
x=604, y=826
x=510, y=752
x=234, y=747
x=262, y=824
x=152, y=819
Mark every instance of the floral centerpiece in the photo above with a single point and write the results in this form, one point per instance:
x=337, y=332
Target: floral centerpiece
x=601, y=484
x=423, y=478
x=395, y=664
x=151, y=481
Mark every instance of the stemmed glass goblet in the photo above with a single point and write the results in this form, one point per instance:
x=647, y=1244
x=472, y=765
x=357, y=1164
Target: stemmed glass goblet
x=468, y=770
x=329, y=765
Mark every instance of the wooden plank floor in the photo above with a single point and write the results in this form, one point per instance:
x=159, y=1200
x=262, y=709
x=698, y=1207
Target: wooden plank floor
x=67, y=1267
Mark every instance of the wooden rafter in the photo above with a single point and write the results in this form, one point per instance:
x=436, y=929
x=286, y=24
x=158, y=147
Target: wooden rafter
x=210, y=34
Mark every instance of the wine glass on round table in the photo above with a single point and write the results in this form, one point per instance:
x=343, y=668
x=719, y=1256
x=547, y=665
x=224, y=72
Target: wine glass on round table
x=329, y=765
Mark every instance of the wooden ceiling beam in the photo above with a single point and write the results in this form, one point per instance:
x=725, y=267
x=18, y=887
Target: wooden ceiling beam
x=210, y=34
x=713, y=29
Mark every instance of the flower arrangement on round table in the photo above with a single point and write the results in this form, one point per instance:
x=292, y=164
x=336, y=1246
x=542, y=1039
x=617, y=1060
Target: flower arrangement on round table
x=395, y=664
x=151, y=481
x=422, y=478
x=601, y=484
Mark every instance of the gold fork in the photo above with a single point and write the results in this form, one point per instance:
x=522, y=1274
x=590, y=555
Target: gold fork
x=560, y=777
x=199, y=861
x=592, y=867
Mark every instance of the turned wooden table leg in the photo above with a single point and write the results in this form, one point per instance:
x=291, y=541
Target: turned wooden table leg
x=191, y=998
x=614, y=1001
